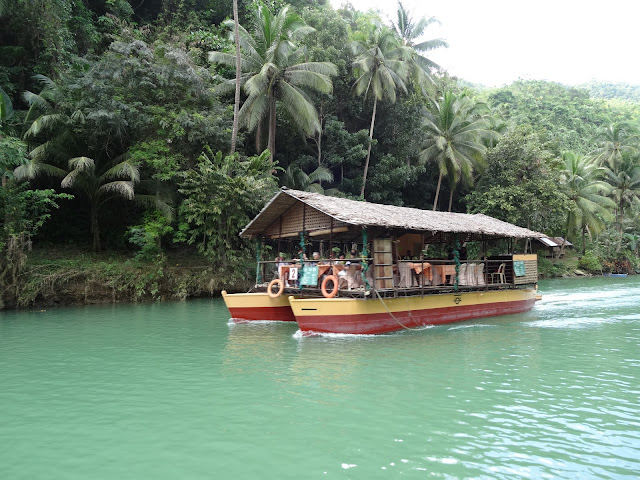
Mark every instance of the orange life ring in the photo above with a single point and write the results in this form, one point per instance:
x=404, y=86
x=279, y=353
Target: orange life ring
x=275, y=281
x=323, y=287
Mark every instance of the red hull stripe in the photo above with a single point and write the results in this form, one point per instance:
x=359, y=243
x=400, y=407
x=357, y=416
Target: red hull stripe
x=283, y=314
x=383, y=322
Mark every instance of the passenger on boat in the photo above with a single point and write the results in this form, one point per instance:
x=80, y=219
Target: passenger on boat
x=342, y=275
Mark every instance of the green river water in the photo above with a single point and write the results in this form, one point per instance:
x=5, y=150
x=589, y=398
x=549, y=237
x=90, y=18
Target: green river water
x=172, y=391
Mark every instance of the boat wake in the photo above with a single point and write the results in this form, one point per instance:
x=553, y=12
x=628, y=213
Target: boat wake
x=242, y=321
x=474, y=325
x=300, y=334
x=571, y=322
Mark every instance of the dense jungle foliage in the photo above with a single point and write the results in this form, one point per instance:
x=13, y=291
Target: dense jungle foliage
x=117, y=118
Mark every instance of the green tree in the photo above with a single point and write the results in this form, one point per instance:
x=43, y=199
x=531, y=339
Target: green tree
x=615, y=140
x=455, y=128
x=520, y=184
x=589, y=206
x=221, y=194
x=275, y=71
x=381, y=69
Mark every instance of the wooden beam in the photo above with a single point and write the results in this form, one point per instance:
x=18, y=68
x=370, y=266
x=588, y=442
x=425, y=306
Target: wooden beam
x=312, y=234
x=328, y=231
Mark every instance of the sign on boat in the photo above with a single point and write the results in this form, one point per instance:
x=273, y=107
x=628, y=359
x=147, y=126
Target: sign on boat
x=367, y=268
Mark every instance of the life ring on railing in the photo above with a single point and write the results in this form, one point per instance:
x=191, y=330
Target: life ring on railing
x=323, y=287
x=275, y=281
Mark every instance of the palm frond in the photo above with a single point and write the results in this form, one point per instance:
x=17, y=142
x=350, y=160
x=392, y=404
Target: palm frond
x=120, y=188
x=126, y=169
x=43, y=122
x=82, y=164
x=157, y=202
x=323, y=68
x=33, y=169
x=35, y=100
x=253, y=110
x=299, y=107
x=305, y=78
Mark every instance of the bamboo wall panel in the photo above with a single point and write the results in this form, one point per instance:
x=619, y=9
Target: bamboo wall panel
x=383, y=263
x=531, y=271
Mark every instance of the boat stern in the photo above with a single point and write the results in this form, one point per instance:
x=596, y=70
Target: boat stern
x=258, y=306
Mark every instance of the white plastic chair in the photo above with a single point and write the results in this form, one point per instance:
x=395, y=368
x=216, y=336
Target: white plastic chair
x=471, y=274
x=480, y=274
x=463, y=278
x=499, y=274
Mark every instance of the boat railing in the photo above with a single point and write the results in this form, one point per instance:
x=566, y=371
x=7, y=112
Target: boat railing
x=409, y=276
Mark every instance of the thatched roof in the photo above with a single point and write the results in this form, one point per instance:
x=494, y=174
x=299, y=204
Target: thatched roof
x=365, y=214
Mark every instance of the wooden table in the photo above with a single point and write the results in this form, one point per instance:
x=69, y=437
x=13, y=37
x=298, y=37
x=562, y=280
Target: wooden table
x=431, y=272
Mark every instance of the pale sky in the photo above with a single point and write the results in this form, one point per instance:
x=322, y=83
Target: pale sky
x=494, y=42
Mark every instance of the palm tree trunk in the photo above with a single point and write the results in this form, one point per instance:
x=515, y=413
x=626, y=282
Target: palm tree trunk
x=566, y=235
x=271, y=146
x=95, y=228
x=584, y=241
x=236, y=105
x=259, y=137
x=319, y=143
x=366, y=163
x=435, y=201
x=450, y=199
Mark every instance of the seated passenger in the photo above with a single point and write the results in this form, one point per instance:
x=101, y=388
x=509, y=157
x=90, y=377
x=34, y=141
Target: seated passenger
x=342, y=277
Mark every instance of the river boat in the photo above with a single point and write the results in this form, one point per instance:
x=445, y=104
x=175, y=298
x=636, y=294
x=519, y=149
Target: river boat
x=411, y=268
x=614, y=274
x=258, y=306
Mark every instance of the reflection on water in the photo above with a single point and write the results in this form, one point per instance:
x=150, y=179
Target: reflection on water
x=175, y=391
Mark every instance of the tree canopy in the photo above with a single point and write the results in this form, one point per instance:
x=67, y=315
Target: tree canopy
x=127, y=100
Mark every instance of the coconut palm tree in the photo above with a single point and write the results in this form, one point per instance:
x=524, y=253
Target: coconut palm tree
x=45, y=119
x=455, y=128
x=614, y=141
x=98, y=182
x=236, y=101
x=625, y=182
x=590, y=207
x=275, y=70
x=410, y=31
x=381, y=70
x=295, y=177
x=115, y=179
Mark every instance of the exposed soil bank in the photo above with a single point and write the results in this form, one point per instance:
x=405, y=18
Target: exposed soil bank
x=60, y=284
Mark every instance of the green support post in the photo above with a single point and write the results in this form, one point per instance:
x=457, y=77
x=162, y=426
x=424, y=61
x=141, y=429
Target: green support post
x=365, y=254
x=301, y=259
x=456, y=258
x=258, y=272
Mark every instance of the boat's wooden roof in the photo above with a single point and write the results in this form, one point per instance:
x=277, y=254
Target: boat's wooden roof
x=365, y=214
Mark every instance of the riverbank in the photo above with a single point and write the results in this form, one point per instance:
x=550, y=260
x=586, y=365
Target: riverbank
x=58, y=278
x=55, y=278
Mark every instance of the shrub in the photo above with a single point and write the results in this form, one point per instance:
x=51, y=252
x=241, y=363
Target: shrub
x=590, y=262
